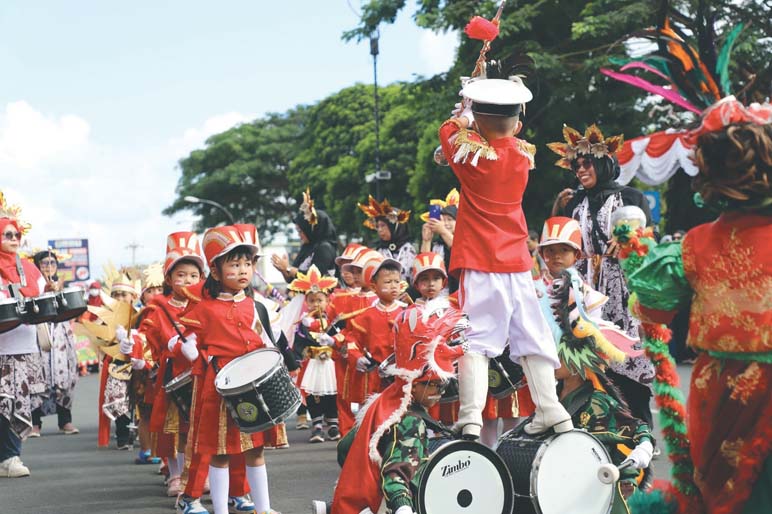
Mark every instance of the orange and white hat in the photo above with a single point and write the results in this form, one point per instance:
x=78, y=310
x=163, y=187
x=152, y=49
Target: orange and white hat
x=561, y=230
x=218, y=241
x=426, y=261
x=360, y=256
x=182, y=245
x=373, y=263
x=348, y=254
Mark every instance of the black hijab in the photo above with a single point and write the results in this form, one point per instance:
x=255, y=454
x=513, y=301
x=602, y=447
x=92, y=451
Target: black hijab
x=399, y=235
x=321, y=236
x=607, y=171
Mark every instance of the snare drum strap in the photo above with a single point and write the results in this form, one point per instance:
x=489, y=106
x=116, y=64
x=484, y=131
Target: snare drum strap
x=283, y=346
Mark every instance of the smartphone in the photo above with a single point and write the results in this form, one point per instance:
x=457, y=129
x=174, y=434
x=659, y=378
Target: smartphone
x=435, y=211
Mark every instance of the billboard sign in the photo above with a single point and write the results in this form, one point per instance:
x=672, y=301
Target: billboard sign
x=75, y=269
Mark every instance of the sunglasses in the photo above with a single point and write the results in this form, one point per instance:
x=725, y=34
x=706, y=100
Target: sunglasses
x=48, y=262
x=11, y=235
x=578, y=165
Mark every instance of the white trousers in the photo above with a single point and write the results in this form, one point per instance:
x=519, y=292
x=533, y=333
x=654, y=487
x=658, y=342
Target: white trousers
x=503, y=307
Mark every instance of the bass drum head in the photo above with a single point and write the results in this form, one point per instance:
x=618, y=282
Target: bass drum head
x=464, y=477
x=247, y=369
x=565, y=475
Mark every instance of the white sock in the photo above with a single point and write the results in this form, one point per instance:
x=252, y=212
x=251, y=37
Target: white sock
x=258, y=482
x=174, y=467
x=181, y=461
x=219, y=481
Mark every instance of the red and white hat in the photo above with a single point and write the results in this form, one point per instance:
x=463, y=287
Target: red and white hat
x=426, y=261
x=218, y=241
x=348, y=254
x=361, y=255
x=182, y=245
x=375, y=261
x=561, y=230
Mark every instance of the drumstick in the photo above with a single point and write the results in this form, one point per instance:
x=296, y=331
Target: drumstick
x=174, y=323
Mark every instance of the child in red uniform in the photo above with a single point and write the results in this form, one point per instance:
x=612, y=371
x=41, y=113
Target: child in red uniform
x=182, y=268
x=317, y=377
x=490, y=254
x=344, y=306
x=368, y=333
x=223, y=326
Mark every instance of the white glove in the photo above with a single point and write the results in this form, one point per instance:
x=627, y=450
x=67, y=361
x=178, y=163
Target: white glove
x=457, y=110
x=362, y=364
x=172, y=343
x=307, y=321
x=404, y=510
x=137, y=363
x=190, y=350
x=641, y=455
x=125, y=343
x=326, y=340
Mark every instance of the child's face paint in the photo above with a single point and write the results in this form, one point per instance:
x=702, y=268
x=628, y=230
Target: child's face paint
x=182, y=275
x=236, y=274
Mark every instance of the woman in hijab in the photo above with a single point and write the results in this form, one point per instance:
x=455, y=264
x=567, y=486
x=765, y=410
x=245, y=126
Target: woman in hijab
x=318, y=240
x=592, y=160
x=57, y=350
x=21, y=376
x=390, y=223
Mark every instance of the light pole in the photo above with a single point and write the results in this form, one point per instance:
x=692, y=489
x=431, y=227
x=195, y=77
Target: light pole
x=374, y=52
x=195, y=199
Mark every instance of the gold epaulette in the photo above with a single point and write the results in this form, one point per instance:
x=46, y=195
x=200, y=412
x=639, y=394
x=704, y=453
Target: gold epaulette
x=528, y=150
x=465, y=146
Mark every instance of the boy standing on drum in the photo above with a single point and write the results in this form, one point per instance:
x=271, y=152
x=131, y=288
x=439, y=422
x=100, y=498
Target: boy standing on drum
x=223, y=326
x=317, y=377
x=490, y=252
x=384, y=453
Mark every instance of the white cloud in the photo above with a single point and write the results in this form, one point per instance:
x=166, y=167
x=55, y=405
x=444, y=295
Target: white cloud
x=29, y=138
x=70, y=186
x=437, y=50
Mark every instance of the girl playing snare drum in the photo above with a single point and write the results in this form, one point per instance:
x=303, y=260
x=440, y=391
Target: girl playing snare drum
x=223, y=326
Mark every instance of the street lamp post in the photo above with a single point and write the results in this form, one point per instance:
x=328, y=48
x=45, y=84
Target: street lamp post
x=195, y=199
x=374, y=52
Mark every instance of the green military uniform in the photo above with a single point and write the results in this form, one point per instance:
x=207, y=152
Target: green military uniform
x=404, y=450
x=602, y=415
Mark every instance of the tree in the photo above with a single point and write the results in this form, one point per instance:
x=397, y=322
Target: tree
x=245, y=169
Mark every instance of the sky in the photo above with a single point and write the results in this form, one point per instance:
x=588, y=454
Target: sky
x=99, y=100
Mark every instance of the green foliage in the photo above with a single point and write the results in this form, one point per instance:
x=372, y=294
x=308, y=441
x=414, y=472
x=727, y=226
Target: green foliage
x=258, y=170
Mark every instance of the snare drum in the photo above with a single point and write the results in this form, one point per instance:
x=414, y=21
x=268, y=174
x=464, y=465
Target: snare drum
x=180, y=390
x=557, y=474
x=9, y=314
x=504, y=376
x=70, y=303
x=258, y=390
x=40, y=309
x=464, y=477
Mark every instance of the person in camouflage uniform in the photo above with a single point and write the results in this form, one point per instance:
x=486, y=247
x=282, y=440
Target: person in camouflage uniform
x=382, y=457
x=590, y=397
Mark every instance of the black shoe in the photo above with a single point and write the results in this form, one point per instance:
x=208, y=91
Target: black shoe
x=333, y=433
x=470, y=437
x=317, y=436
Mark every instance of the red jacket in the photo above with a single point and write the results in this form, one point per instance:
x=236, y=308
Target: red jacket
x=491, y=231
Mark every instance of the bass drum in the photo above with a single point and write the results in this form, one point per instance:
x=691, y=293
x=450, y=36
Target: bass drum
x=464, y=477
x=558, y=473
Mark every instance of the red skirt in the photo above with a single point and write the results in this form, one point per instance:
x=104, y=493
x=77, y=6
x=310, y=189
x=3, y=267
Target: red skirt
x=358, y=386
x=165, y=417
x=215, y=432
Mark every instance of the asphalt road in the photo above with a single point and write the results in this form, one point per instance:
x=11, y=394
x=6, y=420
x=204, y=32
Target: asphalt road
x=71, y=476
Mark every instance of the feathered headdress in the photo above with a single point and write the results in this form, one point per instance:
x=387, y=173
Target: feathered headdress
x=307, y=208
x=120, y=280
x=691, y=82
x=59, y=255
x=384, y=209
x=13, y=212
x=451, y=199
x=313, y=282
x=592, y=143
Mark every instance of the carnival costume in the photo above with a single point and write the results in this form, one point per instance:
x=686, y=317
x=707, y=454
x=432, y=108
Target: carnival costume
x=382, y=457
x=724, y=267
